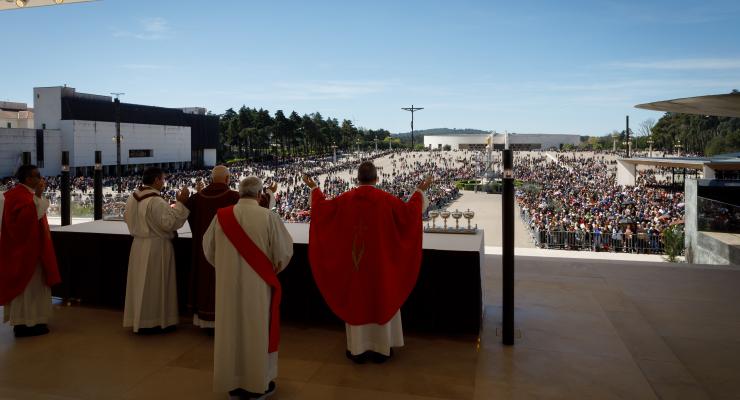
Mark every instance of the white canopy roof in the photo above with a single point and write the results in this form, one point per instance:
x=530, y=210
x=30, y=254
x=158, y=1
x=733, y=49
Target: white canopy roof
x=719, y=105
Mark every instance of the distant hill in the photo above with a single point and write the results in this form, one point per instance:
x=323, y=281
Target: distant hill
x=442, y=131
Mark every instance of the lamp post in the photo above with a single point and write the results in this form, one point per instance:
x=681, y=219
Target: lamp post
x=678, y=146
x=334, y=150
x=65, y=190
x=98, y=186
x=650, y=144
x=628, y=144
x=614, y=142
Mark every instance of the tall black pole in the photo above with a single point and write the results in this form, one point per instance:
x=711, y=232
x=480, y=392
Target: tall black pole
x=98, y=186
x=628, y=136
x=118, y=143
x=507, y=258
x=65, y=189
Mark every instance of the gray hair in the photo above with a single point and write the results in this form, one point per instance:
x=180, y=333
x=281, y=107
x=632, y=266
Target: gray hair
x=250, y=186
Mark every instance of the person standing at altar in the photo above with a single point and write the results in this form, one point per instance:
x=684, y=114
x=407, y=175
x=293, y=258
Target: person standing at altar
x=28, y=266
x=365, y=252
x=248, y=246
x=203, y=206
x=151, y=285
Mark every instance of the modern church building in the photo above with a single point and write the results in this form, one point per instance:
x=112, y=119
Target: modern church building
x=81, y=123
x=517, y=141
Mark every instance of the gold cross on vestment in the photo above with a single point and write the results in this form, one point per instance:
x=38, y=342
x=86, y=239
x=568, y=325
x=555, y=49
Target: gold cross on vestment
x=358, y=250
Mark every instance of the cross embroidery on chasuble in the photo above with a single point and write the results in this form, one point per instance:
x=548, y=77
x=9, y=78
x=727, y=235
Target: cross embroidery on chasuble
x=358, y=245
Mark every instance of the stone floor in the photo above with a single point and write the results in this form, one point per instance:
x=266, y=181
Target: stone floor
x=590, y=329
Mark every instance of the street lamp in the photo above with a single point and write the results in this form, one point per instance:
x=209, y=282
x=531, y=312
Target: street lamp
x=628, y=143
x=678, y=146
x=615, y=135
x=650, y=143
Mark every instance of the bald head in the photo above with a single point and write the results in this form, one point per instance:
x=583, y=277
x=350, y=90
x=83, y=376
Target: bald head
x=220, y=174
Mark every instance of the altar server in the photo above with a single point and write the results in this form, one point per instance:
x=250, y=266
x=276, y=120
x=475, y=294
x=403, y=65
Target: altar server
x=203, y=206
x=365, y=254
x=28, y=266
x=248, y=245
x=151, y=285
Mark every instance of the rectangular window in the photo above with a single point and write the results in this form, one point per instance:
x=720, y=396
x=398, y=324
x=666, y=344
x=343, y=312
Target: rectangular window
x=10, y=125
x=140, y=153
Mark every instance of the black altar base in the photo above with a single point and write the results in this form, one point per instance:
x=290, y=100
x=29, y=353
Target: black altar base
x=447, y=299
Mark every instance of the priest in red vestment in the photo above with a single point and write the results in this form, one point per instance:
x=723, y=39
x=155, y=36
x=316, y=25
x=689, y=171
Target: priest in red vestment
x=203, y=206
x=28, y=266
x=365, y=254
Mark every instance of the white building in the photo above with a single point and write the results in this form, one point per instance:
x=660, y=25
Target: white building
x=15, y=115
x=517, y=141
x=81, y=123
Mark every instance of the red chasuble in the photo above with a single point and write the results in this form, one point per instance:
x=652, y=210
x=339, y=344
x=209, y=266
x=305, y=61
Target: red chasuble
x=25, y=241
x=365, y=252
x=261, y=265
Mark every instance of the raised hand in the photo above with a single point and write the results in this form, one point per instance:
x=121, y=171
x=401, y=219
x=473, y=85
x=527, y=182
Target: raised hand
x=273, y=187
x=309, y=181
x=424, y=185
x=199, y=186
x=183, y=195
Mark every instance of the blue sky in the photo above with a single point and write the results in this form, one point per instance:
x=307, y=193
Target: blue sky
x=525, y=66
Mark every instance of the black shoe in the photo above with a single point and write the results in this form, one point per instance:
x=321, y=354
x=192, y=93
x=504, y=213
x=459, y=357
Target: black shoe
x=156, y=330
x=357, y=359
x=28, y=331
x=379, y=358
x=270, y=391
x=239, y=394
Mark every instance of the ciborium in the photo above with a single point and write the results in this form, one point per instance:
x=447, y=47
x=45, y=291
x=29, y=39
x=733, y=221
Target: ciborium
x=434, y=214
x=457, y=215
x=445, y=214
x=468, y=215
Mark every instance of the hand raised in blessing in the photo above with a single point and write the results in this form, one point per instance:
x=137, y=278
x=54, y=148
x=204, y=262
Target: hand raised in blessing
x=183, y=195
x=424, y=185
x=308, y=181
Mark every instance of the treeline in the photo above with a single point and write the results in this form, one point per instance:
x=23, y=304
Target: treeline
x=697, y=133
x=693, y=134
x=257, y=135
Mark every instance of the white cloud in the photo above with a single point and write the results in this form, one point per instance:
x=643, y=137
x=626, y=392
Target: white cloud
x=149, y=67
x=683, y=64
x=153, y=28
x=328, y=90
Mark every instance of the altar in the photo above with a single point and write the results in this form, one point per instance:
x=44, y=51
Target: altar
x=447, y=299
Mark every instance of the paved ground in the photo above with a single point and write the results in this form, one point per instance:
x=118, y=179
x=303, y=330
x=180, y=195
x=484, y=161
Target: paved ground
x=588, y=329
x=487, y=209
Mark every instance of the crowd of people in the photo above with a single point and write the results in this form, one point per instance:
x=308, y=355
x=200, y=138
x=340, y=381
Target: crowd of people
x=568, y=200
x=405, y=170
x=572, y=201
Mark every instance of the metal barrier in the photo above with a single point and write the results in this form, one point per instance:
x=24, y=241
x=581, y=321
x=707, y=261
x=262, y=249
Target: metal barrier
x=642, y=242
